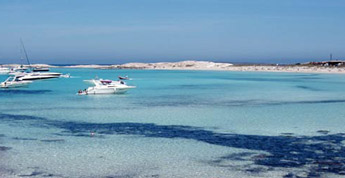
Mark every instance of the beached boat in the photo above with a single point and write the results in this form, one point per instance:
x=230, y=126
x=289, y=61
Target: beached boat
x=106, y=87
x=14, y=81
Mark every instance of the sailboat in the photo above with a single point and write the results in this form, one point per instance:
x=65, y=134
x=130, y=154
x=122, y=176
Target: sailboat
x=32, y=75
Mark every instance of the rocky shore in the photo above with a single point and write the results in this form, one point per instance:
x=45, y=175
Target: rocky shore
x=207, y=65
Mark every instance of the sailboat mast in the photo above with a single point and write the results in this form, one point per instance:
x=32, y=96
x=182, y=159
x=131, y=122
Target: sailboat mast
x=26, y=55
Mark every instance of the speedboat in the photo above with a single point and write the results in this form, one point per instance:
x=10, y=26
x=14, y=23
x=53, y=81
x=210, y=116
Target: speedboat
x=14, y=81
x=32, y=75
x=39, y=75
x=106, y=87
x=124, y=78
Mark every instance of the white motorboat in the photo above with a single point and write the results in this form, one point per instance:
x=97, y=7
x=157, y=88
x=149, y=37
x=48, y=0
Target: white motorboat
x=14, y=81
x=106, y=87
x=32, y=75
x=39, y=75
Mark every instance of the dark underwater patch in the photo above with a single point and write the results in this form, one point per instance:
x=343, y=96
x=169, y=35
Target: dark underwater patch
x=13, y=117
x=83, y=108
x=307, y=88
x=121, y=176
x=52, y=140
x=36, y=172
x=194, y=102
x=23, y=138
x=321, y=154
x=287, y=134
x=24, y=92
x=284, y=152
x=323, y=131
x=32, y=174
x=4, y=148
x=315, y=102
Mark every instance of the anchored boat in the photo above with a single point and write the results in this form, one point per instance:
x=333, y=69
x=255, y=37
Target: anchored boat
x=39, y=75
x=106, y=87
x=40, y=69
x=14, y=81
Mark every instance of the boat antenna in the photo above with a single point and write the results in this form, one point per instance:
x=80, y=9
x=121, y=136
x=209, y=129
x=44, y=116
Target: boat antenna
x=26, y=55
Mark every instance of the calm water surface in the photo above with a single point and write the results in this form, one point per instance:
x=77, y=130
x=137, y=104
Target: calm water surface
x=176, y=124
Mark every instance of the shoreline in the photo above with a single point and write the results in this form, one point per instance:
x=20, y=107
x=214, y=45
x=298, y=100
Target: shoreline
x=205, y=65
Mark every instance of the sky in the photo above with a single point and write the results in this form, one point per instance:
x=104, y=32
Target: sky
x=121, y=31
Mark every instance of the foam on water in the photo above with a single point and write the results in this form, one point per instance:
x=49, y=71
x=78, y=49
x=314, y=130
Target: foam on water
x=176, y=124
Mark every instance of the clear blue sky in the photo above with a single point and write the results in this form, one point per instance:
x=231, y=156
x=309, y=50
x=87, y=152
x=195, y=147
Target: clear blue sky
x=119, y=31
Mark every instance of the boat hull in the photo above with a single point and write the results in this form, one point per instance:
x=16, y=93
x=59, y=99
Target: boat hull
x=14, y=84
x=39, y=75
x=26, y=78
x=40, y=69
x=106, y=87
x=98, y=90
x=105, y=90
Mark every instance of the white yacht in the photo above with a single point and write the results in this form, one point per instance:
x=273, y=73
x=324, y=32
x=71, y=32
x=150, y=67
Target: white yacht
x=106, y=87
x=39, y=75
x=27, y=73
x=14, y=81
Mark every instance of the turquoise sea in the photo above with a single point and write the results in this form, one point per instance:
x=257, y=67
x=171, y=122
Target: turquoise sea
x=202, y=124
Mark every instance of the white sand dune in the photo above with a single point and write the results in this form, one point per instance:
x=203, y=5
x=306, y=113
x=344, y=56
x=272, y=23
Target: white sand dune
x=207, y=65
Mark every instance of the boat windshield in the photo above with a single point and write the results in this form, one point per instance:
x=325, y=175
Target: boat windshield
x=104, y=82
x=10, y=79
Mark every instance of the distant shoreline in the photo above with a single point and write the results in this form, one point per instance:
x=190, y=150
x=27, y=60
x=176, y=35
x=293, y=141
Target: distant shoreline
x=205, y=65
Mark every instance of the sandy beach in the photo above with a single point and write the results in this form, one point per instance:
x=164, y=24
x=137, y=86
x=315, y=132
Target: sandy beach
x=205, y=65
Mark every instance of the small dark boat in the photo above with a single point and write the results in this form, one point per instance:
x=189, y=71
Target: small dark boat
x=123, y=78
x=40, y=69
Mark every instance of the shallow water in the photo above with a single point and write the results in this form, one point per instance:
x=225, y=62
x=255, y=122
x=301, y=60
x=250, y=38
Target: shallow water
x=176, y=124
